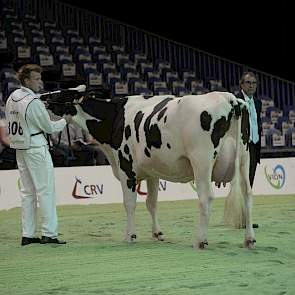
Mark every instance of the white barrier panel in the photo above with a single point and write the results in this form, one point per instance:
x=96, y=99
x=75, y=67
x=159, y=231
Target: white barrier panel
x=97, y=185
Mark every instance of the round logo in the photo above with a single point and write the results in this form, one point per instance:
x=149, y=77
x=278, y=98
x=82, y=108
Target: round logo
x=277, y=177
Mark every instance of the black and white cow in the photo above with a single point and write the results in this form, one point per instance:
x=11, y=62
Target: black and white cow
x=177, y=139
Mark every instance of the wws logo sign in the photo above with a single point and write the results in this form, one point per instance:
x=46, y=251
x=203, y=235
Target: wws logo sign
x=276, y=177
x=86, y=191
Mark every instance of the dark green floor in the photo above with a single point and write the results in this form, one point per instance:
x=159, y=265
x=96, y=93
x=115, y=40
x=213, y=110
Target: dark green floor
x=97, y=261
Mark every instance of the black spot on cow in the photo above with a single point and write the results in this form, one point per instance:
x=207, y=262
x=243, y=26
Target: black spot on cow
x=126, y=149
x=215, y=154
x=109, y=127
x=127, y=132
x=161, y=114
x=118, y=125
x=147, y=153
x=220, y=128
x=154, y=137
x=99, y=130
x=245, y=126
x=206, y=120
x=168, y=146
x=152, y=131
x=137, y=121
x=165, y=119
x=126, y=166
x=179, y=101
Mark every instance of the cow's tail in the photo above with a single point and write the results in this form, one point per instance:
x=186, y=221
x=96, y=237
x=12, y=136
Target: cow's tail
x=234, y=210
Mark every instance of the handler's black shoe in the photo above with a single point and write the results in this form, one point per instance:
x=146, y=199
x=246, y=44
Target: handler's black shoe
x=27, y=241
x=48, y=240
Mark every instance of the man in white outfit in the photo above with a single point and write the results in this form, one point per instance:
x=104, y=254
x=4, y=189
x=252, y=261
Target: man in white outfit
x=28, y=124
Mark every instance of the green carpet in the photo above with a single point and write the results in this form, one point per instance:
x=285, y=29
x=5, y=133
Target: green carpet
x=97, y=261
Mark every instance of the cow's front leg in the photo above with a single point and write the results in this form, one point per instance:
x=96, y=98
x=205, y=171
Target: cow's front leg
x=151, y=204
x=129, y=199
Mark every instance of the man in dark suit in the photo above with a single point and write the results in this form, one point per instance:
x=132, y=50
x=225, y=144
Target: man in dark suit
x=248, y=86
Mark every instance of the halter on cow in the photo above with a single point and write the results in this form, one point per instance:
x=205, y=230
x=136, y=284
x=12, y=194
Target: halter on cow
x=202, y=138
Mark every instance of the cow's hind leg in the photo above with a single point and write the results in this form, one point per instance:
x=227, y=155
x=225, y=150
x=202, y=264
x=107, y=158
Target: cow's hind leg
x=151, y=204
x=249, y=241
x=205, y=195
x=129, y=198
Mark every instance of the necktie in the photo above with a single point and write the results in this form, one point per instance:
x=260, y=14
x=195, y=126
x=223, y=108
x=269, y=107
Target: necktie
x=253, y=122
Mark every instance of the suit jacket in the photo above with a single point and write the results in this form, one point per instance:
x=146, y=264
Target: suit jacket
x=258, y=106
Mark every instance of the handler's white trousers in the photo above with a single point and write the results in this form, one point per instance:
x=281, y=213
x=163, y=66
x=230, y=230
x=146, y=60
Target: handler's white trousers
x=37, y=184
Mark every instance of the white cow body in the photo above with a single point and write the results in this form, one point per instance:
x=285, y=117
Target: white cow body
x=176, y=139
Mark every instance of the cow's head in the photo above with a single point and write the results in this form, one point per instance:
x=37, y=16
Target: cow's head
x=61, y=102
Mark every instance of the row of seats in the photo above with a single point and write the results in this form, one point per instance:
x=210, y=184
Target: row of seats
x=91, y=61
x=97, y=63
x=278, y=127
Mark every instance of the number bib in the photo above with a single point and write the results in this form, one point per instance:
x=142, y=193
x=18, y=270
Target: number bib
x=16, y=109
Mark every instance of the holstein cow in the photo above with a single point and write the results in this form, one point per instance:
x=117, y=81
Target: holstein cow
x=177, y=139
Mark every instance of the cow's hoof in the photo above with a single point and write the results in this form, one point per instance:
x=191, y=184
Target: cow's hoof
x=159, y=236
x=130, y=238
x=201, y=245
x=250, y=244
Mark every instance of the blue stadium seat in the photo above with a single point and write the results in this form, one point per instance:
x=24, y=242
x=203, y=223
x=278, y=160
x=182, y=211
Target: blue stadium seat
x=121, y=58
x=275, y=138
x=145, y=67
x=94, y=41
x=128, y=67
x=94, y=80
x=180, y=91
x=153, y=77
x=139, y=57
x=170, y=77
x=8, y=86
x=216, y=85
x=290, y=137
x=143, y=91
x=112, y=78
x=97, y=50
x=107, y=67
x=161, y=91
x=120, y=88
x=162, y=66
x=104, y=58
x=283, y=123
x=69, y=71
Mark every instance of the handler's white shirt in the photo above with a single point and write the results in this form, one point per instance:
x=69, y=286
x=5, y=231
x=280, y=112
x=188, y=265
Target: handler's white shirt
x=37, y=117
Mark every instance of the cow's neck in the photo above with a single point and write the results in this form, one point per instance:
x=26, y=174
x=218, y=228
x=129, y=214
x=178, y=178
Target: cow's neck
x=104, y=120
x=81, y=118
